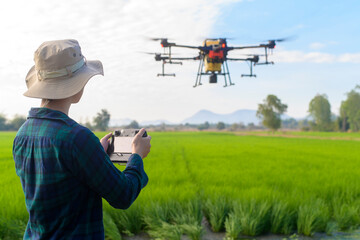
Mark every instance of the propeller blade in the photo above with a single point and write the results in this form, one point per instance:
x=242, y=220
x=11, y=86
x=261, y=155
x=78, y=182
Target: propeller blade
x=253, y=54
x=163, y=54
x=157, y=39
x=150, y=53
x=282, y=39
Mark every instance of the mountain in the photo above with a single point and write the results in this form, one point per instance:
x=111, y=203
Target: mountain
x=245, y=116
x=155, y=122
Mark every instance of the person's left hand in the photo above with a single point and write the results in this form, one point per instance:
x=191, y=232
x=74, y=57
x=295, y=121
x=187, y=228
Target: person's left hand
x=105, y=141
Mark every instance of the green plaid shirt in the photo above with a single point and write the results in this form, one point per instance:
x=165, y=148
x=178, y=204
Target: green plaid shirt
x=65, y=173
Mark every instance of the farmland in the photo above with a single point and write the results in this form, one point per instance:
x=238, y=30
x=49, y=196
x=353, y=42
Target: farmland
x=253, y=184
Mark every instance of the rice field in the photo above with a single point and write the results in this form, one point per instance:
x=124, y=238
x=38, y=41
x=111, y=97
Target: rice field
x=242, y=185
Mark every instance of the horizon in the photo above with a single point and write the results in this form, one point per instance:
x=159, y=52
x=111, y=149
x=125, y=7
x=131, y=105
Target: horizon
x=126, y=121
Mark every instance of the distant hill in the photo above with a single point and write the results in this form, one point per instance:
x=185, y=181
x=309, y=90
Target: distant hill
x=127, y=121
x=155, y=122
x=245, y=116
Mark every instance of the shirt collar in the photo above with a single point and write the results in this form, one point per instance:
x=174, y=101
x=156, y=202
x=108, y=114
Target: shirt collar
x=46, y=113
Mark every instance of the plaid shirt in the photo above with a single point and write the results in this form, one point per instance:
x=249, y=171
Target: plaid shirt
x=65, y=172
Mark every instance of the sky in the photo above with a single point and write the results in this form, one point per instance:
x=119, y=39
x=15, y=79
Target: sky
x=322, y=55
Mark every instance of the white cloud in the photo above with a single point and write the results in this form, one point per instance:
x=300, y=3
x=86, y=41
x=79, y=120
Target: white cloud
x=349, y=58
x=317, y=45
x=114, y=32
x=298, y=56
x=314, y=57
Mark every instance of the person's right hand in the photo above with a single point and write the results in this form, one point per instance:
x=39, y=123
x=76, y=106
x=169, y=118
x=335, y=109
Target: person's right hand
x=141, y=145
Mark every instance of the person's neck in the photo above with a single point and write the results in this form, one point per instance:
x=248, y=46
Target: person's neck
x=62, y=105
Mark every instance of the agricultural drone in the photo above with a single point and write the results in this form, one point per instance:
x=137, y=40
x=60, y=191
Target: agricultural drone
x=213, y=58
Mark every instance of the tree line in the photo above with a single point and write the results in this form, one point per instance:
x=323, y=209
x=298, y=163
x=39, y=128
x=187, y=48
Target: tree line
x=100, y=122
x=11, y=125
x=322, y=119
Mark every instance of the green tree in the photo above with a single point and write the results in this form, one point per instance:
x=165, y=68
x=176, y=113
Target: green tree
x=270, y=112
x=290, y=123
x=220, y=125
x=133, y=125
x=3, y=125
x=16, y=122
x=350, y=110
x=204, y=126
x=320, y=110
x=102, y=119
x=234, y=127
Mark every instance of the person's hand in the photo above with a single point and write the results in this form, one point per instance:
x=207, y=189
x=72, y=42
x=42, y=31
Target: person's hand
x=141, y=145
x=105, y=141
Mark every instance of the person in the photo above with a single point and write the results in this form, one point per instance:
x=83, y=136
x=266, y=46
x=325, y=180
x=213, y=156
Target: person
x=63, y=167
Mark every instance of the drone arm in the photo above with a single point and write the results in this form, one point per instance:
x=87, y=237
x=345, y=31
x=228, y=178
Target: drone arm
x=237, y=59
x=246, y=47
x=185, y=58
x=187, y=46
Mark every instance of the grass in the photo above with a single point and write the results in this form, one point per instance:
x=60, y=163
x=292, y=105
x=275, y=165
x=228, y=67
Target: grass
x=244, y=185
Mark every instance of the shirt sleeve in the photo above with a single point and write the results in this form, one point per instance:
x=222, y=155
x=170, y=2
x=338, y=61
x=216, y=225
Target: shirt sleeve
x=94, y=167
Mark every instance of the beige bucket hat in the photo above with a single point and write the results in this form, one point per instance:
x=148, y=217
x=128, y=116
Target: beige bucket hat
x=60, y=70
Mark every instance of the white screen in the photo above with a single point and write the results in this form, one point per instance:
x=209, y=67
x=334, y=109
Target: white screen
x=123, y=144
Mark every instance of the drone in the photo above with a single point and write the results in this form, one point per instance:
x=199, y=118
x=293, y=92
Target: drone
x=213, y=58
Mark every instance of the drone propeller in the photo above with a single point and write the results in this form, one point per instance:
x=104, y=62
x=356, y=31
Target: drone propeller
x=278, y=40
x=281, y=39
x=202, y=38
x=154, y=53
x=157, y=39
x=151, y=53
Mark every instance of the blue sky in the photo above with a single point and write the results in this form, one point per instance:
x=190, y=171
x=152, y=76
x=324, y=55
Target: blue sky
x=332, y=23
x=322, y=57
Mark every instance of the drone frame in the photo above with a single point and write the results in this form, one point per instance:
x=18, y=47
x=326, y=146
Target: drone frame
x=167, y=58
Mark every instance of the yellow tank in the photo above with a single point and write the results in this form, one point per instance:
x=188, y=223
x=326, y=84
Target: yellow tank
x=213, y=60
x=212, y=67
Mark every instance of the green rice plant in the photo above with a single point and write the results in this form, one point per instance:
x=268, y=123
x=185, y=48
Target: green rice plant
x=166, y=231
x=174, y=217
x=194, y=231
x=331, y=227
x=111, y=230
x=188, y=217
x=232, y=226
x=313, y=216
x=130, y=221
x=282, y=218
x=216, y=211
x=189, y=212
x=156, y=214
x=13, y=229
x=347, y=216
x=254, y=216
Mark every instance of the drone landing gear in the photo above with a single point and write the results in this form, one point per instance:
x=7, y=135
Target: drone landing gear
x=213, y=75
x=163, y=74
x=226, y=72
x=166, y=74
x=199, y=73
x=251, y=72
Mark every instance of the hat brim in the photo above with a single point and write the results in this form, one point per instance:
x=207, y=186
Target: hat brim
x=63, y=87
